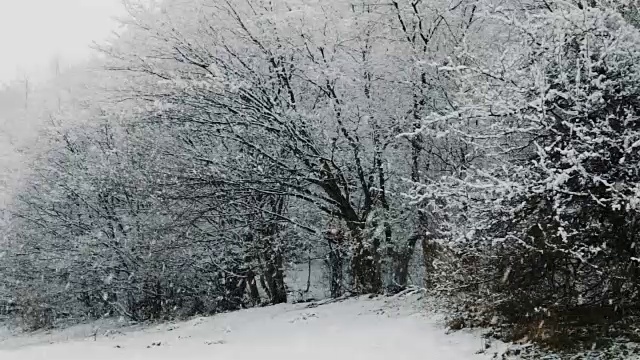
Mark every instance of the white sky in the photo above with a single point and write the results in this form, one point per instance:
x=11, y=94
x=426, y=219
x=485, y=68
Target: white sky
x=34, y=32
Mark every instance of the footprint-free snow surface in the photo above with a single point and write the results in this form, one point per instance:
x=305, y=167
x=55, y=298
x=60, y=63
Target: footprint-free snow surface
x=382, y=328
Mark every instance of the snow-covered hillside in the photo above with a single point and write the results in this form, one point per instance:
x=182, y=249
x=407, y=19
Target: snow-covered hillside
x=379, y=328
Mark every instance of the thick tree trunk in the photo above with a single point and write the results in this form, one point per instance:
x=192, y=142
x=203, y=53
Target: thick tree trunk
x=274, y=277
x=365, y=266
x=401, y=272
x=234, y=292
x=366, y=273
x=337, y=279
x=401, y=260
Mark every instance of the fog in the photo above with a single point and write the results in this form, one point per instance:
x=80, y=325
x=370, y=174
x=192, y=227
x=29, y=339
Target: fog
x=40, y=38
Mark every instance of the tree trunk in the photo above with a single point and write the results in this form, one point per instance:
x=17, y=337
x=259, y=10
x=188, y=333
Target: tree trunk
x=274, y=277
x=365, y=266
x=366, y=274
x=252, y=288
x=336, y=265
x=263, y=283
x=429, y=251
x=401, y=260
x=234, y=292
x=308, y=277
x=335, y=261
x=273, y=261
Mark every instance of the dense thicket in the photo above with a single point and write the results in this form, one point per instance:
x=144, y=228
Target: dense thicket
x=221, y=143
x=549, y=222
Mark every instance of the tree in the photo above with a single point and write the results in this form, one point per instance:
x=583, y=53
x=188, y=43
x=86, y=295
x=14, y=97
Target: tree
x=310, y=97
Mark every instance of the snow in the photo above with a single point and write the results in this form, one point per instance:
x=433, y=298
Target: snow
x=363, y=328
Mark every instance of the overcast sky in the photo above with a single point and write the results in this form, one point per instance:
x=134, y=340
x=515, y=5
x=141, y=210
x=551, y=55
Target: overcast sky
x=34, y=32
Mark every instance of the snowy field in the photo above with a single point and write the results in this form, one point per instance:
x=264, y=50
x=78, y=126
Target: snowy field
x=380, y=328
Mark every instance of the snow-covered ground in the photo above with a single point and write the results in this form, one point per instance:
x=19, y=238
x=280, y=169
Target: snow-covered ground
x=380, y=328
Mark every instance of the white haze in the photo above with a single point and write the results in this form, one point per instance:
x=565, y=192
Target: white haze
x=34, y=32
x=37, y=39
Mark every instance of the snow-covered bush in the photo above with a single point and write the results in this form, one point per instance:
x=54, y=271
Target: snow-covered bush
x=547, y=211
